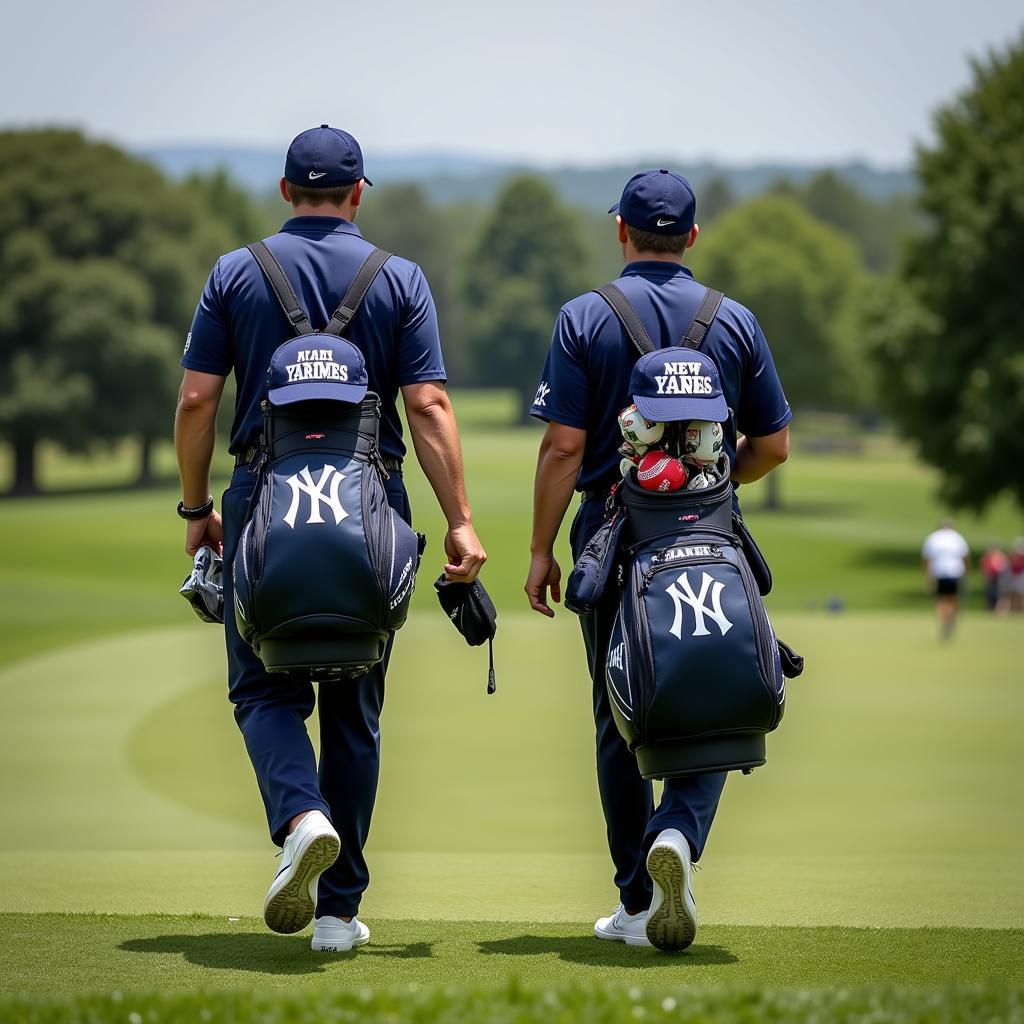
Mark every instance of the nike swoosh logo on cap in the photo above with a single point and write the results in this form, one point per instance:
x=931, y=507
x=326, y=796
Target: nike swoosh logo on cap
x=662, y=222
x=313, y=175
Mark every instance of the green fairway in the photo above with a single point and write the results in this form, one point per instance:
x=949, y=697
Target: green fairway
x=882, y=844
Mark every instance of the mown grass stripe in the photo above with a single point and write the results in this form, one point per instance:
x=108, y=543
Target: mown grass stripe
x=50, y=953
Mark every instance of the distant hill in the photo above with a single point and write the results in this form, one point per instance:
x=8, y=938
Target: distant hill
x=451, y=178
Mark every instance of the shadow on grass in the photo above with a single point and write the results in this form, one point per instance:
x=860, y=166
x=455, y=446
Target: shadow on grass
x=585, y=949
x=266, y=954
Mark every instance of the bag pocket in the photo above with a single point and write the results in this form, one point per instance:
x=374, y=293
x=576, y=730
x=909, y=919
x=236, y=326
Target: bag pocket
x=593, y=569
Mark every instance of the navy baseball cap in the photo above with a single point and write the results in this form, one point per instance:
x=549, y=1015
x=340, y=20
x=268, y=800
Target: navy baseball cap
x=678, y=384
x=661, y=202
x=324, y=157
x=316, y=366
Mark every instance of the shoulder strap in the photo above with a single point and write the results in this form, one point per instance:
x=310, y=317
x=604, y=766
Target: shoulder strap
x=281, y=286
x=349, y=306
x=702, y=319
x=612, y=294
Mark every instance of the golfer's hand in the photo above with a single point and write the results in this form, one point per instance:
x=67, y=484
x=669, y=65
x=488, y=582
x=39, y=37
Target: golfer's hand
x=207, y=531
x=544, y=573
x=466, y=556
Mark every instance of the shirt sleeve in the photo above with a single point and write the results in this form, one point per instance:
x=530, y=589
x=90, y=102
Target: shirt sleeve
x=564, y=390
x=419, y=343
x=928, y=547
x=208, y=345
x=763, y=407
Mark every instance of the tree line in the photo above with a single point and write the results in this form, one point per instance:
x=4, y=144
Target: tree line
x=905, y=307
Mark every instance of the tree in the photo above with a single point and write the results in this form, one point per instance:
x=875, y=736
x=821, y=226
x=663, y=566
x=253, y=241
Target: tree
x=527, y=262
x=714, y=198
x=804, y=282
x=950, y=340
x=400, y=218
x=102, y=260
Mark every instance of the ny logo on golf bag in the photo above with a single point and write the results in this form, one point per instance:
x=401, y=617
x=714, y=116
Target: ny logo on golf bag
x=302, y=482
x=681, y=592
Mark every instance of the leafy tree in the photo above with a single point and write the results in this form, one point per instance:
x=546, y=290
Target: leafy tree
x=102, y=261
x=951, y=340
x=804, y=282
x=233, y=205
x=527, y=262
x=401, y=219
x=879, y=228
x=713, y=199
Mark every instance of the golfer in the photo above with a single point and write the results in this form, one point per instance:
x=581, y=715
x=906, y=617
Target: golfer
x=312, y=809
x=946, y=557
x=584, y=385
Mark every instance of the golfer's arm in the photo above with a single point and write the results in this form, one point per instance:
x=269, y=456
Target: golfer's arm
x=195, y=431
x=558, y=466
x=758, y=456
x=435, y=436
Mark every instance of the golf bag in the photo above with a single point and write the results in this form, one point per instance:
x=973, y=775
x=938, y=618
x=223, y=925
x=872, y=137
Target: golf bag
x=694, y=670
x=325, y=568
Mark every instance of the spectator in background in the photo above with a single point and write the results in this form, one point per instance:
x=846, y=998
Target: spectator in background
x=1017, y=575
x=946, y=558
x=995, y=568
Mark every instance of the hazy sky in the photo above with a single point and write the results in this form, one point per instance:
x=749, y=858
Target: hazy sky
x=552, y=81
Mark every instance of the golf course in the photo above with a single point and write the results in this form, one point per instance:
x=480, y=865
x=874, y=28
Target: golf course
x=873, y=869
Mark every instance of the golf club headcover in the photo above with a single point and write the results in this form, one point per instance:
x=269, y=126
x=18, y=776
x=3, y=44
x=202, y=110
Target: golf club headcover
x=203, y=587
x=473, y=614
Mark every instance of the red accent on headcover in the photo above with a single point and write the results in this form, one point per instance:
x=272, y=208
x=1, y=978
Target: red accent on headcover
x=315, y=437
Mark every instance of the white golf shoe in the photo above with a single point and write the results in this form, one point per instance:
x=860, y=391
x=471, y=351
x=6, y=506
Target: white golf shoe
x=672, y=918
x=310, y=850
x=623, y=927
x=332, y=935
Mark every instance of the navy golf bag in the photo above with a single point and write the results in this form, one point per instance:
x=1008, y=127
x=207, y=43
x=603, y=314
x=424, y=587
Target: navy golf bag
x=325, y=568
x=694, y=672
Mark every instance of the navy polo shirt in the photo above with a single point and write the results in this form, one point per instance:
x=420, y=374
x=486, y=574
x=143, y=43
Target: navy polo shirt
x=239, y=324
x=585, y=383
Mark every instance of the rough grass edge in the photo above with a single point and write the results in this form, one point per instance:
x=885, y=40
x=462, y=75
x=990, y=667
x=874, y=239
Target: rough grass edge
x=516, y=1003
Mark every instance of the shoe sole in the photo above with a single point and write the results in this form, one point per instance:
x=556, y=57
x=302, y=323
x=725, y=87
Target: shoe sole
x=672, y=926
x=290, y=908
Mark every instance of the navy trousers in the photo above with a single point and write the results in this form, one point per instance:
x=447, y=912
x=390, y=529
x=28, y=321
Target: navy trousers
x=687, y=804
x=271, y=711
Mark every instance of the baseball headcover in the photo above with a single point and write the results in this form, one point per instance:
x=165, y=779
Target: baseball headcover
x=473, y=614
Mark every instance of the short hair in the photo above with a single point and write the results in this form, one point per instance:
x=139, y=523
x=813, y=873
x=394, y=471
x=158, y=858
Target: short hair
x=336, y=196
x=648, y=241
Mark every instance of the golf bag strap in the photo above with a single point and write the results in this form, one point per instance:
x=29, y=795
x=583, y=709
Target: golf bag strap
x=349, y=306
x=702, y=319
x=281, y=286
x=612, y=294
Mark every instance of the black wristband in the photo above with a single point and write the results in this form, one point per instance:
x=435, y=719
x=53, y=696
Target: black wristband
x=200, y=512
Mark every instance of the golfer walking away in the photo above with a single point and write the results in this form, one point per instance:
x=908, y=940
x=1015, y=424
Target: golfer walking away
x=585, y=383
x=319, y=814
x=946, y=559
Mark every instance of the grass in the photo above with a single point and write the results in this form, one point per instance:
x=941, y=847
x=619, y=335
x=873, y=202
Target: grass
x=523, y=1004
x=130, y=952
x=879, y=847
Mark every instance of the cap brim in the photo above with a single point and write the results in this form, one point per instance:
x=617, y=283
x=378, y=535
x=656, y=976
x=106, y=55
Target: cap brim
x=614, y=208
x=367, y=180
x=683, y=407
x=312, y=391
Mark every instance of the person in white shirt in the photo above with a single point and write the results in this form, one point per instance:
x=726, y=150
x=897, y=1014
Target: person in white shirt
x=946, y=559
